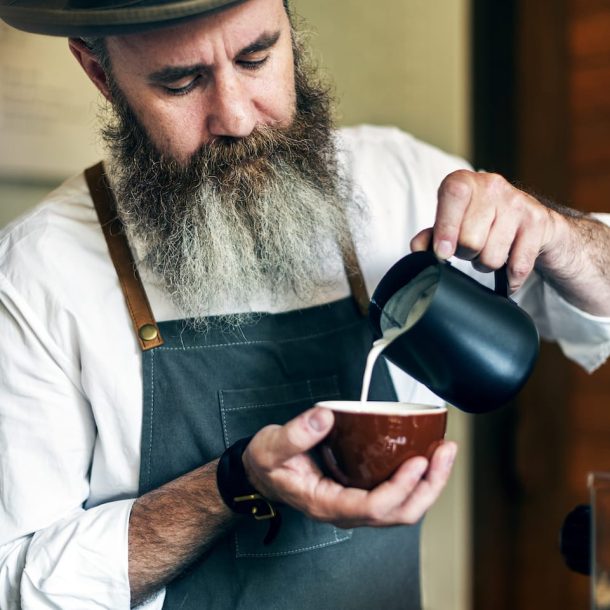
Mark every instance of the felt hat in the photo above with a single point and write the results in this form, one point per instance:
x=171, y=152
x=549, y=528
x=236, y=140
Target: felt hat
x=92, y=18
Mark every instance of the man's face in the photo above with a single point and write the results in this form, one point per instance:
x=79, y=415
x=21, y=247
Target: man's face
x=220, y=75
x=230, y=190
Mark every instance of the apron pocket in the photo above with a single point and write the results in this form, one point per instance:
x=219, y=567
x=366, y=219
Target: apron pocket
x=243, y=413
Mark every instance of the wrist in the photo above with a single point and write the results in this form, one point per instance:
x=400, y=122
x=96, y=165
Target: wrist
x=239, y=494
x=559, y=260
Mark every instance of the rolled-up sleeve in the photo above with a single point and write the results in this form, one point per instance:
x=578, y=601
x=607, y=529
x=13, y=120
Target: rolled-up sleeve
x=78, y=562
x=53, y=552
x=583, y=338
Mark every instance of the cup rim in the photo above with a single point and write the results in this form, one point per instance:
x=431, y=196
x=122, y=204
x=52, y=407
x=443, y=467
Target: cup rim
x=387, y=407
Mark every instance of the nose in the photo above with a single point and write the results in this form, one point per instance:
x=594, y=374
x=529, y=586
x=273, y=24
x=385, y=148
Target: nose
x=231, y=111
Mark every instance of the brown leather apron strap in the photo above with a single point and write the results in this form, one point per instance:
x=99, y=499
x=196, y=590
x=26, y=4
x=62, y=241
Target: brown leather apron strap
x=355, y=278
x=144, y=322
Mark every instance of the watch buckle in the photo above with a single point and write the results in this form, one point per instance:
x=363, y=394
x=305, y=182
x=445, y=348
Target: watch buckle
x=261, y=503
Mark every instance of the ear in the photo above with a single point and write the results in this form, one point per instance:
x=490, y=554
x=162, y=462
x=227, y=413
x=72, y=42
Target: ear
x=90, y=65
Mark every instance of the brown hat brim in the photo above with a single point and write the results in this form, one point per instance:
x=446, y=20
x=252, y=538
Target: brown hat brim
x=81, y=19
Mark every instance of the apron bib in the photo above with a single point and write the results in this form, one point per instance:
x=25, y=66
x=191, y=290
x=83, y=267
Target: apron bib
x=205, y=390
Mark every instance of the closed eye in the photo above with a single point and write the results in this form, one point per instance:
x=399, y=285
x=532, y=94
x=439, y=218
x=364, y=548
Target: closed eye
x=252, y=64
x=184, y=89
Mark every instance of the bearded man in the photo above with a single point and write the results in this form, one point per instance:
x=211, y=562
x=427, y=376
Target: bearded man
x=193, y=298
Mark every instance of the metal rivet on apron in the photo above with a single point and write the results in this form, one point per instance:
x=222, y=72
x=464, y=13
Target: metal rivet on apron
x=148, y=332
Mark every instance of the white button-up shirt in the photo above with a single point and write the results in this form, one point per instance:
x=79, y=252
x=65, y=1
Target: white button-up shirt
x=71, y=382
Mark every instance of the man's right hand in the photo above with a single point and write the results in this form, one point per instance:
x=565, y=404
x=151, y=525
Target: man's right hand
x=279, y=467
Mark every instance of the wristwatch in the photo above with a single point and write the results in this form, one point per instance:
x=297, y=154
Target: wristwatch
x=238, y=493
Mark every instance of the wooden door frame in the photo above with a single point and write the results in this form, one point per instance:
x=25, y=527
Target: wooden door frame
x=519, y=122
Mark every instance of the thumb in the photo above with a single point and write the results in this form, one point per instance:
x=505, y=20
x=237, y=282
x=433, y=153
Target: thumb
x=299, y=434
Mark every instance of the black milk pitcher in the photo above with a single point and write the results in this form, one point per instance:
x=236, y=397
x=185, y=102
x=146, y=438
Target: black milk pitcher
x=473, y=347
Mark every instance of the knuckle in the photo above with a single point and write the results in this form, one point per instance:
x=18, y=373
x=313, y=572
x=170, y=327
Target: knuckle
x=456, y=185
x=520, y=268
x=537, y=215
x=516, y=204
x=497, y=187
x=495, y=182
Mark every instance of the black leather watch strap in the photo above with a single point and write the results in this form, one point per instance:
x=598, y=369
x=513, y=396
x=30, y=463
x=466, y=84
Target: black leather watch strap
x=238, y=493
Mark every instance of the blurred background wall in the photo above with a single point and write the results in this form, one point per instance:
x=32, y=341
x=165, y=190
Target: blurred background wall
x=47, y=118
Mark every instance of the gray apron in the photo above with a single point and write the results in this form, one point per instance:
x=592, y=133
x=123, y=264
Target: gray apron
x=205, y=390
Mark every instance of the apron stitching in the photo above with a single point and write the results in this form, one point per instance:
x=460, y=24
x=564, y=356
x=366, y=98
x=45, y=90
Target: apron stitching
x=258, y=342
x=224, y=419
x=152, y=410
x=277, y=404
x=294, y=551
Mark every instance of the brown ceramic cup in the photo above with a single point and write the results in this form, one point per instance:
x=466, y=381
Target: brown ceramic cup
x=370, y=440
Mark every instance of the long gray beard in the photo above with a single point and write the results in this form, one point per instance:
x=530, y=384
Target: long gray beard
x=244, y=219
x=214, y=253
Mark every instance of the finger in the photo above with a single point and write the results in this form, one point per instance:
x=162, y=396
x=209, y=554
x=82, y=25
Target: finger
x=474, y=233
x=390, y=494
x=522, y=258
x=430, y=487
x=348, y=506
x=299, y=435
x=421, y=241
x=454, y=196
x=495, y=252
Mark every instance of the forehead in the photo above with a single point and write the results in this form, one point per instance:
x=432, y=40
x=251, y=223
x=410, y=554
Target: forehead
x=231, y=29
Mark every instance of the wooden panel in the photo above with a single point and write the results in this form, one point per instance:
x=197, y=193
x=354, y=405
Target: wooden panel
x=542, y=106
x=588, y=35
x=591, y=193
x=589, y=411
x=587, y=453
x=590, y=93
x=541, y=462
x=598, y=380
x=561, y=430
x=589, y=149
x=579, y=8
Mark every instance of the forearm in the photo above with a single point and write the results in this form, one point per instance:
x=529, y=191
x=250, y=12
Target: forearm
x=577, y=261
x=171, y=527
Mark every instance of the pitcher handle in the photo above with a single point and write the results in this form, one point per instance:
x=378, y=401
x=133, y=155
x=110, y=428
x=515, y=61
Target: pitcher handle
x=501, y=280
x=500, y=277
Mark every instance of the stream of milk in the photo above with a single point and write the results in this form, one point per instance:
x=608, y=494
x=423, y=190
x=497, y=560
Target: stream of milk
x=378, y=347
x=414, y=299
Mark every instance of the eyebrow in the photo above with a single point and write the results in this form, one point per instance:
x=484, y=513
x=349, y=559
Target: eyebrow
x=170, y=74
